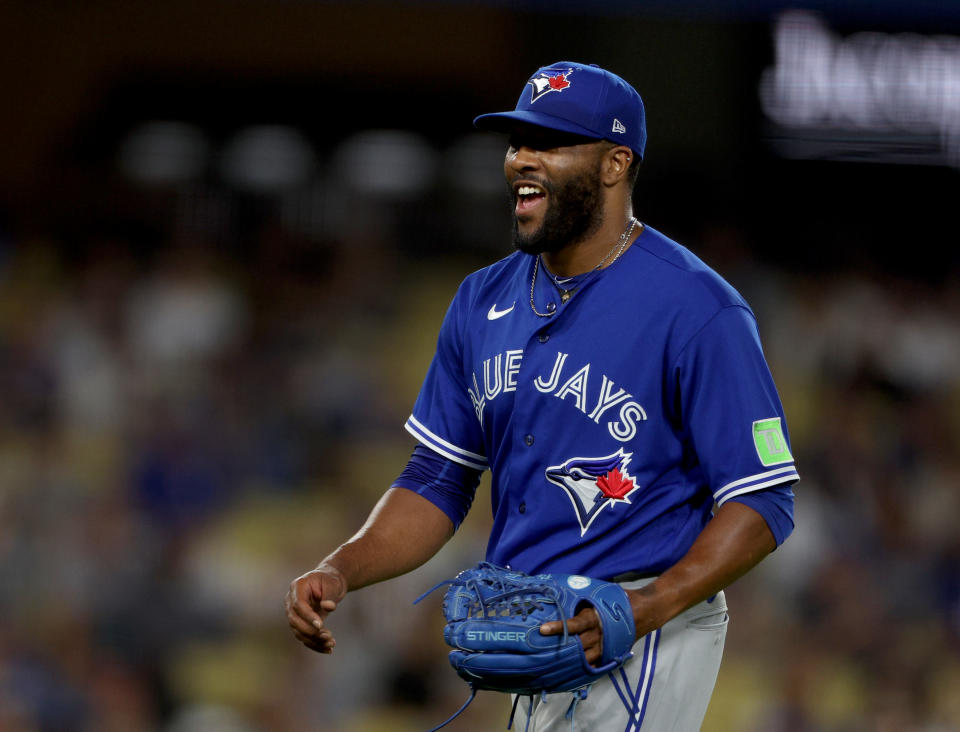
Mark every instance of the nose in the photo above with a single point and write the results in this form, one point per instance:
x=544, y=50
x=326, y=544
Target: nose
x=522, y=159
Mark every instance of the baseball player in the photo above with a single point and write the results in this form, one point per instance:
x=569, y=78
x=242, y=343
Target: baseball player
x=616, y=388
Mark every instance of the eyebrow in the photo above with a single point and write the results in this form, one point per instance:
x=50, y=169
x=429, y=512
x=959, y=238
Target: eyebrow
x=549, y=139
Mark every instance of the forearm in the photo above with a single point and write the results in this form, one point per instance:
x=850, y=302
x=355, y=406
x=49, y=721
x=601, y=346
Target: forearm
x=733, y=542
x=403, y=531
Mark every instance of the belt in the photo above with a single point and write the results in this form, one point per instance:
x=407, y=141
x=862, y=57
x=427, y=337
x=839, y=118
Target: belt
x=633, y=576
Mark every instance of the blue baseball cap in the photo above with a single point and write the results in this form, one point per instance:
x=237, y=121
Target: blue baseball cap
x=582, y=99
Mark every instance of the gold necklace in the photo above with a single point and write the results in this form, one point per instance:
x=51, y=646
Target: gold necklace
x=566, y=294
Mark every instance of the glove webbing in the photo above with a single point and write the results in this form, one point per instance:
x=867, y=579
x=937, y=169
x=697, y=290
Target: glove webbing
x=521, y=600
x=511, y=597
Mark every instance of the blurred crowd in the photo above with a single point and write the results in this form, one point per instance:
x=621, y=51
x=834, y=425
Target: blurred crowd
x=187, y=427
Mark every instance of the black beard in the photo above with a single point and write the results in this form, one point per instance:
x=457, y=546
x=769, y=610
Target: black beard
x=573, y=214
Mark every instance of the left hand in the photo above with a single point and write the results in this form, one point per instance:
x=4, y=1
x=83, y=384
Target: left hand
x=586, y=624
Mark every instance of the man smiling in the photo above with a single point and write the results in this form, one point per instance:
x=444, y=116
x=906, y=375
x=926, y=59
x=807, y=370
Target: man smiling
x=562, y=201
x=616, y=388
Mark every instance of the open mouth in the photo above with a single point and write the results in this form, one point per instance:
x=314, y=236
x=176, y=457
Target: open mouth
x=528, y=197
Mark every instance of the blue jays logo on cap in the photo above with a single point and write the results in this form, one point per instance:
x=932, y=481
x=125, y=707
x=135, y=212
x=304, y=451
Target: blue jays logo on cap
x=549, y=80
x=593, y=484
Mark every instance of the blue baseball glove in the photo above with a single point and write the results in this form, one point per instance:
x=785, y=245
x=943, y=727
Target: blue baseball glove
x=493, y=620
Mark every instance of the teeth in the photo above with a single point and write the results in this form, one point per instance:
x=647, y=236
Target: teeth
x=528, y=190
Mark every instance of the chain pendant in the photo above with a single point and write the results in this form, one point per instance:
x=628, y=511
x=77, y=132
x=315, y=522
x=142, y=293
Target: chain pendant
x=566, y=294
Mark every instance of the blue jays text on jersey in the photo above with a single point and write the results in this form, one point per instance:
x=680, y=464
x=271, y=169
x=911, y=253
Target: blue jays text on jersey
x=612, y=427
x=506, y=367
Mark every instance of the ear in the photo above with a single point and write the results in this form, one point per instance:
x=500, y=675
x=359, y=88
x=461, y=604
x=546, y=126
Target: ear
x=616, y=163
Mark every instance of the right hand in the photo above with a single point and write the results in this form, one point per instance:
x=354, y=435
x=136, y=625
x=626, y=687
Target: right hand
x=313, y=596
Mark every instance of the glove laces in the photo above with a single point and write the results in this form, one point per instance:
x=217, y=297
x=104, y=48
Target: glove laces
x=498, y=596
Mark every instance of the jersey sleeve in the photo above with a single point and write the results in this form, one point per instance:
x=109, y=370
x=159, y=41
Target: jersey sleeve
x=443, y=416
x=775, y=505
x=730, y=410
x=449, y=486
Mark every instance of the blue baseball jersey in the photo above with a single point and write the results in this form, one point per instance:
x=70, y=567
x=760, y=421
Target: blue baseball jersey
x=613, y=426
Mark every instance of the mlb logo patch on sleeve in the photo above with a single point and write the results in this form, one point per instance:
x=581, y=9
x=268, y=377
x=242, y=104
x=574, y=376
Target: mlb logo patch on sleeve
x=770, y=442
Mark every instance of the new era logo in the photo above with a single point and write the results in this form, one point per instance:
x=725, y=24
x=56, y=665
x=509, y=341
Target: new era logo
x=618, y=126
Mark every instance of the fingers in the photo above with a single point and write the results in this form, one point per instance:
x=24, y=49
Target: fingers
x=586, y=625
x=306, y=613
x=320, y=644
x=592, y=642
x=579, y=623
x=300, y=610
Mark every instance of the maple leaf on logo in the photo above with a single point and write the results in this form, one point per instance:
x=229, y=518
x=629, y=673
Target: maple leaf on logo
x=613, y=485
x=559, y=82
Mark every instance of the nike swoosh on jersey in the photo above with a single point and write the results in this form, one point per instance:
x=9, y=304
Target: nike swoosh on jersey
x=494, y=313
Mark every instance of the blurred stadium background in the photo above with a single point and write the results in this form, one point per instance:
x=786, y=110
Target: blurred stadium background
x=228, y=234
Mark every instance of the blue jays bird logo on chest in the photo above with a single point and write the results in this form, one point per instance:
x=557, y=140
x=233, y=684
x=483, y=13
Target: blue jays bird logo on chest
x=593, y=484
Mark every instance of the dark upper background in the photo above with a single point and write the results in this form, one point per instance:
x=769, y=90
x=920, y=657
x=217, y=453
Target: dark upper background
x=78, y=78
